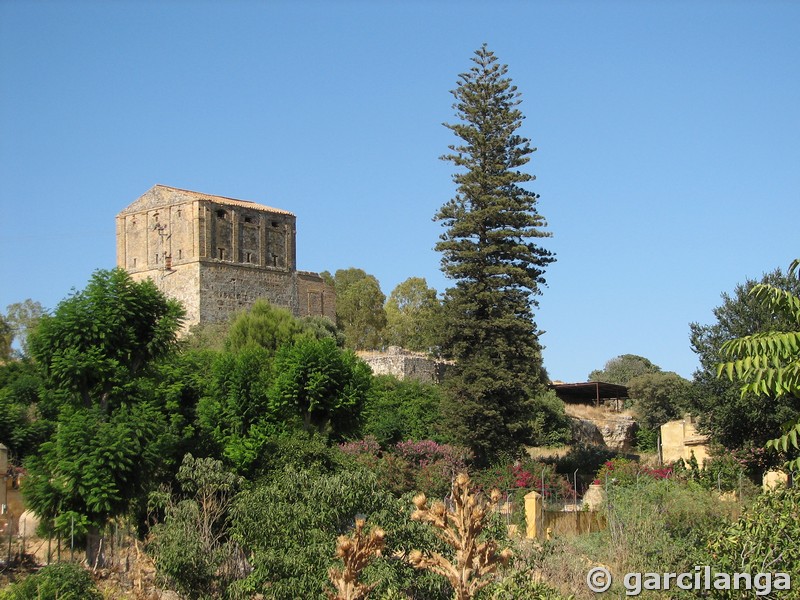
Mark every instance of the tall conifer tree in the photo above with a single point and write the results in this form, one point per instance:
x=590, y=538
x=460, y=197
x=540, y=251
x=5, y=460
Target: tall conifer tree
x=489, y=249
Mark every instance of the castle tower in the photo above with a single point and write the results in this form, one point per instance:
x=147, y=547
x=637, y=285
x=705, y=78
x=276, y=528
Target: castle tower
x=217, y=255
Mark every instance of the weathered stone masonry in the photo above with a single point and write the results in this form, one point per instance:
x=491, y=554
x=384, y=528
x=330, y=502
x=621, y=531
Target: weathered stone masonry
x=218, y=255
x=405, y=364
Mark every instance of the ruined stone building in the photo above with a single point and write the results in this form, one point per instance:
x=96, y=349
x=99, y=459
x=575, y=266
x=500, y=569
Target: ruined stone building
x=217, y=255
x=405, y=364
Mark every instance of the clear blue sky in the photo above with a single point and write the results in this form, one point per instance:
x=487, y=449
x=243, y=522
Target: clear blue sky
x=668, y=136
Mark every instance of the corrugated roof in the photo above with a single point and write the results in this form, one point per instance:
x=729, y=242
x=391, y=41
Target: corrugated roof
x=589, y=390
x=225, y=200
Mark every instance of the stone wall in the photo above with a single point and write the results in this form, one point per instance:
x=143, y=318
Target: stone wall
x=405, y=364
x=228, y=289
x=181, y=282
x=680, y=439
x=314, y=296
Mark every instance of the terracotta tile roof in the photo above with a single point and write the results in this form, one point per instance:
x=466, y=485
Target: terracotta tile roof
x=224, y=200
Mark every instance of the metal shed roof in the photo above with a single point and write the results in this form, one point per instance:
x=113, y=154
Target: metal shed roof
x=589, y=391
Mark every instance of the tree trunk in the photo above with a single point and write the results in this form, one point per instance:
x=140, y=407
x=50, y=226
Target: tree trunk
x=94, y=548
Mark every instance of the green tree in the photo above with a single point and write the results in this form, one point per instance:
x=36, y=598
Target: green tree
x=319, y=327
x=741, y=421
x=621, y=369
x=320, y=383
x=412, y=313
x=360, y=312
x=23, y=317
x=767, y=363
x=489, y=248
x=263, y=325
x=96, y=465
x=25, y=421
x=396, y=410
x=100, y=339
x=658, y=398
x=551, y=424
x=234, y=415
x=109, y=444
x=6, y=337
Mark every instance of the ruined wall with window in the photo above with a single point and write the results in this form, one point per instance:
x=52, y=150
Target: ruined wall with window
x=217, y=255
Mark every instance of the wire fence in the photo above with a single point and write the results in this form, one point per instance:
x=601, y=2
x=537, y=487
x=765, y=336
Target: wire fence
x=113, y=547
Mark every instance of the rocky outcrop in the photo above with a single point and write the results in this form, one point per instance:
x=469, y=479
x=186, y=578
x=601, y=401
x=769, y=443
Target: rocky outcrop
x=619, y=434
x=585, y=432
x=615, y=433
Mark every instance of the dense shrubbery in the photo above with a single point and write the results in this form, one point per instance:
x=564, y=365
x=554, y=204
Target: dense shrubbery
x=191, y=547
x=288, y=529
x=64, y=581
x=551, y=425
x=763, y=540
x=624, y=471
x=653, y=525
x=401, y=410
x=424, y=465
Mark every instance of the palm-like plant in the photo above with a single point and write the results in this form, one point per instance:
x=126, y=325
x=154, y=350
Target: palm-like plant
x=768, y=363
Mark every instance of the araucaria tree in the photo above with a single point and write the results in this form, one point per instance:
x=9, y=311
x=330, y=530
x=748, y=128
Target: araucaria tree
x=490, y=249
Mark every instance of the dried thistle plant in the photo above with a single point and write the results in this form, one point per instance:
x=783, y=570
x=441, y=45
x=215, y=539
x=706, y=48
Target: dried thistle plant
x=459, y=528
x=355, y=551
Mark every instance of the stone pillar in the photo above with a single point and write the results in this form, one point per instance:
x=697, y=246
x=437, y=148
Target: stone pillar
x=774, y=480
x=3, y=460
x=594, y=497
x=534, y=515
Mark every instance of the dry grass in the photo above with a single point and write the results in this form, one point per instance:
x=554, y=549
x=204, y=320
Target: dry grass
x=543, y=452
x=595, y=413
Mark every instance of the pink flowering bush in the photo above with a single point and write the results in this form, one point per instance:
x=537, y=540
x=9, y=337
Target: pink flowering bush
x=422, y=466
x=526, y=476
x=369, y=445
x=435, y=465
x=624, y=471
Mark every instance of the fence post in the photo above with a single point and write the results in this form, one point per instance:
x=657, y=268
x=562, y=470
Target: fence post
x=575, y=491
x=542, y=480
x=740, y=487
x=534, y=515
x=10, y=527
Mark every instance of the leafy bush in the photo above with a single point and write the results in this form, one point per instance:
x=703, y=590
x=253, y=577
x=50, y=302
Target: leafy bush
x=520, y=584
x=623, y=471
x=659, y=524
x=762, y=540
x=422, y=466
x=63, y=581
x=191, y=546
x=551, y=425
x=401, y=410
x=585, y=459
x=646, y=439
x=321, y=384
x=288, y=526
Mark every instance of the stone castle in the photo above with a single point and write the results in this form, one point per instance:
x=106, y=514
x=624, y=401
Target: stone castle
x=218, y=255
